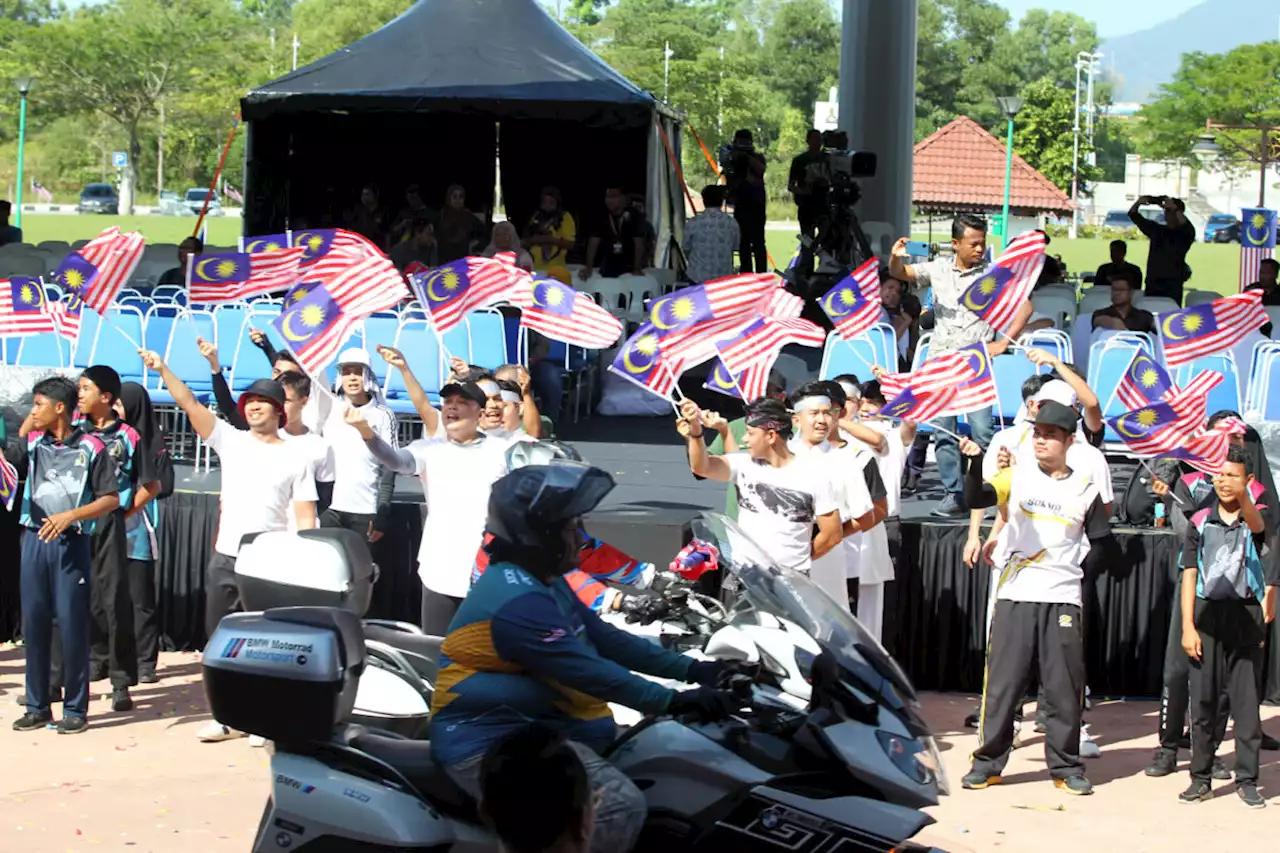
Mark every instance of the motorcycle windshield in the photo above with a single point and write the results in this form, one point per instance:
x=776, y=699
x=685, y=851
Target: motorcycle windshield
x=790, y=595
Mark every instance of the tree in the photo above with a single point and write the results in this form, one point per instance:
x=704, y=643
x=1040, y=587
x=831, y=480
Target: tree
x=323, y=26
x=586, y=12
x=121, y=59
x=1042, y=134
x=1241, y=86
x=802, y=51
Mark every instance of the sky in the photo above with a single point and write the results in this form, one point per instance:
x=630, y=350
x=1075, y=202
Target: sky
x=1113, y=17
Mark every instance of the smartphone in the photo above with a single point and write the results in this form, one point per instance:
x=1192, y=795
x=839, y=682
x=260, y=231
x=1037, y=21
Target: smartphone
x=917, y=248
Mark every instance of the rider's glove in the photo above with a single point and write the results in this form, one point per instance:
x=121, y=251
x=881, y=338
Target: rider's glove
x=704, y=703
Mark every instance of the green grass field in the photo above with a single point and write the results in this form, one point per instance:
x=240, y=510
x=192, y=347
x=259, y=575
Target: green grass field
x=1215, y=266
x=36, y=228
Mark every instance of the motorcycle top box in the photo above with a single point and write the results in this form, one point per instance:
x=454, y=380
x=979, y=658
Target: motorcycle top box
x=325, y=567
x=288, y=674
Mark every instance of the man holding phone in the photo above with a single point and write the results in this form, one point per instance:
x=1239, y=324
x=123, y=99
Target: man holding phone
x=1170, y=242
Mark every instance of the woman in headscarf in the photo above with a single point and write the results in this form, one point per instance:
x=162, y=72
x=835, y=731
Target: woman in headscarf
x=460, y=232
x=551, y=232
x=506, y=239
x=142, y=521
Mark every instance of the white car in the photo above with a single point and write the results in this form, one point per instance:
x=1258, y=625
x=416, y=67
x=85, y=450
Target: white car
x=194, y=200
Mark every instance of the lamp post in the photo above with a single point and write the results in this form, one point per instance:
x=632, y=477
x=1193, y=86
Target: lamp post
x=24, y=86
x=1009, y=105
x=1207, y=150
x=1085, y=61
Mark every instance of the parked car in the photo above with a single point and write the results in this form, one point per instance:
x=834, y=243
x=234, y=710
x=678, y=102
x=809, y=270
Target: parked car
x=1218, y=222
x=1230, y=233
x=194, y=200
x=1120, y=218
x=99, y=198
x=171, y=204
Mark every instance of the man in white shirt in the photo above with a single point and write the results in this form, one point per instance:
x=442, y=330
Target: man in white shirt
x=779, y=499
x=511, y=426
x=457, y=473
x=817, y=443
x=264, y=479
x=362, y=486
x=315, y=447
x=1053, y=514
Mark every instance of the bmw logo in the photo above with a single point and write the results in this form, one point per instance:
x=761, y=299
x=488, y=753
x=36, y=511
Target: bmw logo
x=769, y=819
x=284, y=839
x=302, y=660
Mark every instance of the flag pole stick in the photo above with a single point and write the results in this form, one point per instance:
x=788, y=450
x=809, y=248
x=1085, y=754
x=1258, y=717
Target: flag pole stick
x=107, y=317
x=1144, y=464
x=954, y=435
x=675, y=382
x=858, y=355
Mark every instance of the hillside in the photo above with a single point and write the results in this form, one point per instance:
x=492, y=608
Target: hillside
x=1147, y=58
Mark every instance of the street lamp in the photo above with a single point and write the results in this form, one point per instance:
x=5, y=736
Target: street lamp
x=1207, y=149
x=1009, y=105
x=1085, y=61
x=23, y=85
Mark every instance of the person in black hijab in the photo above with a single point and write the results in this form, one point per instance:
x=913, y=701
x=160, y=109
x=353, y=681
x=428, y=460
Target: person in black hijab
x=142, y=521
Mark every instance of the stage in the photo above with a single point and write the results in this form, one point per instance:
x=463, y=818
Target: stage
x=935, y=611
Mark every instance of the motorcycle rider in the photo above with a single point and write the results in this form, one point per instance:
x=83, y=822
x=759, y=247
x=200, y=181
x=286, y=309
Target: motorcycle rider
x=522, y=648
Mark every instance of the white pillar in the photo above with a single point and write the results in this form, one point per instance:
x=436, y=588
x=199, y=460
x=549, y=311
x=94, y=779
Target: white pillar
x=877, y=109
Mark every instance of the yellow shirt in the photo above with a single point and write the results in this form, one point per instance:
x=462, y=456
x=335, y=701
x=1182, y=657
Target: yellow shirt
x=547, y=256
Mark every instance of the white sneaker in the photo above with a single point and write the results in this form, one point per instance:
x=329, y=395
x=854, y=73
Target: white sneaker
x=1088, y=748
x=257, y=741
x=1017, y=734
x=214, y=731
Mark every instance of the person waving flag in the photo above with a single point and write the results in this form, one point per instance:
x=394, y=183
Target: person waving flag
x=1212, y=327
x=1007, y=284
x=854, y=303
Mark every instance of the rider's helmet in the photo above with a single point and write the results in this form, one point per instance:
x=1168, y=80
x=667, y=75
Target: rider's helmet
x=531, y=508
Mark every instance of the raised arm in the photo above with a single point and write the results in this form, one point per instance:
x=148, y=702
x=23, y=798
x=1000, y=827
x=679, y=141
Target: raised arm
x=872, y=438
x=900, y=269
x=399, y=460
x=1088, y=399
x=701, y=463
x=262, y=342
x=417, y=395
x=221, y=390
x=202, y=419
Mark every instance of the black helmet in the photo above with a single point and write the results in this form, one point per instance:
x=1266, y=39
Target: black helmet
x=524, y=453
x=529, y=508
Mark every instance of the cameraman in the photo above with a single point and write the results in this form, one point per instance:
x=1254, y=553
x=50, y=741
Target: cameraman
x=809, y=182
x=745, y=180
x=1167, y=256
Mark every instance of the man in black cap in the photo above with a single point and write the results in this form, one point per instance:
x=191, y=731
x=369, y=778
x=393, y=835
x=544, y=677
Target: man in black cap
x=457, y=472
x=1053, y=515
x=111, y=631
x=263, y=479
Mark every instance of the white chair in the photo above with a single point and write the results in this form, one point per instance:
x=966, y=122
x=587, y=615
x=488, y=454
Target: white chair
x=1155, y=304
x=1053, y=340
x=665, y=278
x=1273, y=311
x=1264, y=377
x=1060, y=306
x=1199, y=297
x=1093, y=299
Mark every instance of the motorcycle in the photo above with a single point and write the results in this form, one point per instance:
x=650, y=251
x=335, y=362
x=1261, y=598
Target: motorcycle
x=850, y=770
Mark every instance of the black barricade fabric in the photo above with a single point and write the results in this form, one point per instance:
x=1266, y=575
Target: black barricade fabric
x=935, y=611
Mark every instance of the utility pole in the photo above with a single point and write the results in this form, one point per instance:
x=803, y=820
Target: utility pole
x=1075, y=159
x=160, y=155
x=720, y=92
x=667, y=53
x=296, y=45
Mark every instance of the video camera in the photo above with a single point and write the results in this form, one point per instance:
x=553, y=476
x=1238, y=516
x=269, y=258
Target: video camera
x=845, y=167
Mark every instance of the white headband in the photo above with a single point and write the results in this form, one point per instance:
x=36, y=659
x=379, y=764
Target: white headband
x=489, y=387
x=807, y=403
x=510, y=397
x=851, y=390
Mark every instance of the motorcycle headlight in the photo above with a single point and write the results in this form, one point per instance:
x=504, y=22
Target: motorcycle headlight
x=918, y=758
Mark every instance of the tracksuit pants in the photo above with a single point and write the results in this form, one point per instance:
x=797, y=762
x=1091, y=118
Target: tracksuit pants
x=140, y=575
x=221, y=595
x=55, y=581
x=1027, y=636
x=111, y=631
x=1231, y=638
x=1175, y=696
x=354, y=521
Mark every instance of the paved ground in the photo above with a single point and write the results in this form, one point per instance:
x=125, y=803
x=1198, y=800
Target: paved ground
x=140, y=782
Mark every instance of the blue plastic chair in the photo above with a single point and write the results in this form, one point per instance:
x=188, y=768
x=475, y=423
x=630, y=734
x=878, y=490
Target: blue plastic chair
x=1108, y=361
x=112, y=347
x=229, y=321
x=247, y=362
x=857, y=357
x=380, y=330
x=422, y=352
x=1009, y=372
x=1227, y=394
x=182, y=354
x=82, y=355
x=43, y=351
x=169, y=293
x=158, y=324
x=488, y=338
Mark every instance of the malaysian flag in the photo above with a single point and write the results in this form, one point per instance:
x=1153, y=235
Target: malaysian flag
x=451, y=291
x=1155, y=430
x=854, y=303
x=39, y=190
x=232, y=276
x=1205, y=452
x=764, y=337
x=925, y=406
x=642, y=360
x=1257, y=241
x=97, y=272
x=315, y=326
x=696, y=344
x=267, y=242
x=232, y=193
x=557, y=311
x=66, y=317
x=23, y=308
x=753, y=382
x=1212, y=327
x=1006, y=285
x=8, y=483
x=1192, y=400
x=967, y=369
x=320, y=243
x=1145, y=382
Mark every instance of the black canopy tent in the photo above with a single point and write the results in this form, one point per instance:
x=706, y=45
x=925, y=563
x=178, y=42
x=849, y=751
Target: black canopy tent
x=434, y=98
